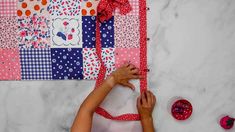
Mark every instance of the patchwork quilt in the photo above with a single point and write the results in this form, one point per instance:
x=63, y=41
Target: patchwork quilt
x=72, y=39
x=56, y=39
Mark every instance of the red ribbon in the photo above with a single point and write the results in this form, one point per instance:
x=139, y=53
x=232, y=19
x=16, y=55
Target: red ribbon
x=106, y=8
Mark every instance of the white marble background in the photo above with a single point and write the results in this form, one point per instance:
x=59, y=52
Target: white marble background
x=191, y=55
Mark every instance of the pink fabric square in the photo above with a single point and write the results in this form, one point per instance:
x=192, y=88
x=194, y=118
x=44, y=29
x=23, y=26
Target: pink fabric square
x=123, y=55
x=135, y=8
x=10, y=64
x=8, y=7
x=127, y=32
x=8, y=34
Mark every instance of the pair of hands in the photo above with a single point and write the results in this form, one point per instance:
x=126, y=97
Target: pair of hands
x=146, y=101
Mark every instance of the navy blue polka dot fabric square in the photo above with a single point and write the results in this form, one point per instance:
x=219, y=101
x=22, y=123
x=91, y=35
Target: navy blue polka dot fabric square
x=89, y=31
x=107, y=33
x=67, y=63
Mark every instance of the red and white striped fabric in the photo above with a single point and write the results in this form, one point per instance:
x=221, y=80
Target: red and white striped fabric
x=8, y=8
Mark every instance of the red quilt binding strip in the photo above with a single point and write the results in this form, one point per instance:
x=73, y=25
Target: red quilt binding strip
x=143, y=64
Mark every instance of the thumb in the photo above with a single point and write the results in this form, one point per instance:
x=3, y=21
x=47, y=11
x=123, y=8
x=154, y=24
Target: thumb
x=130, y=85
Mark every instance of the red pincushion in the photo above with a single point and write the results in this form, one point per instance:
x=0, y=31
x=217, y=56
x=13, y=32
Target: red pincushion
x=181, y=109
x=227, y=122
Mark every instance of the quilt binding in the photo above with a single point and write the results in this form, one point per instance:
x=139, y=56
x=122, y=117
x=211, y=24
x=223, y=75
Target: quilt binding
x=143, y=64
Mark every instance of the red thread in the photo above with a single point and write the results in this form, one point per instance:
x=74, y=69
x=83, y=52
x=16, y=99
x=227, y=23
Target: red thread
x=105, y=15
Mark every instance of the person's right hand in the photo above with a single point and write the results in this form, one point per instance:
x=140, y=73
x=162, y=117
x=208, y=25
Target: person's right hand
x=145, y=104
x=125, y=73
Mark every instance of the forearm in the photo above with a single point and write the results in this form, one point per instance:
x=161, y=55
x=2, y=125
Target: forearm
x=147, y=124
x=122, y=75
x=83, y=120
x=96, y=97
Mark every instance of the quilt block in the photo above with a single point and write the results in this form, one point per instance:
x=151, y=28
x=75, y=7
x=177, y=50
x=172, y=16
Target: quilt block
x=10, y=64
x=35, y=64
x=8, y=8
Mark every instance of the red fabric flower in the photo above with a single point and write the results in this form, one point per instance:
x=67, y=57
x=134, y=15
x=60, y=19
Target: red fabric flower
x=106, y=7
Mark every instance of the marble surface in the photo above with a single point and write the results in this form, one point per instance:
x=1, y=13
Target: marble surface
x=191, y=54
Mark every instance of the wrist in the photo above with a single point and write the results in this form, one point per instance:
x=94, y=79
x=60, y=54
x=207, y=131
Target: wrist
x=111, y=81
x=146, y=118
x=147, y=124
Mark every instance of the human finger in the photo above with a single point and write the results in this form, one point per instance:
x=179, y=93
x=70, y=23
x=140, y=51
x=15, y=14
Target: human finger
x=154, y=99
x=135, y=71
x=126, y=64
x=131, y=67
x=149, y=99
x=143, y=98
x=136, y=77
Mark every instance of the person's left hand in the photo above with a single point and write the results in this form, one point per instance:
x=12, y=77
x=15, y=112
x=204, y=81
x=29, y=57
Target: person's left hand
x=125, y=73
